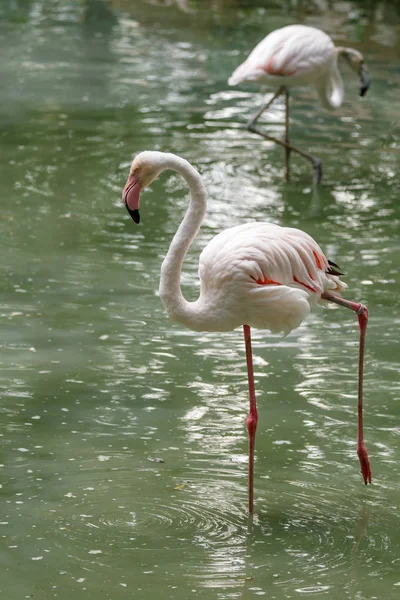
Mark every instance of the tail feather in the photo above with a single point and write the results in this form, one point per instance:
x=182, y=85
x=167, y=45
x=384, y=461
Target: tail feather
x=236, y=76
x=333, y=269
x=333, y=281
x=243, y=73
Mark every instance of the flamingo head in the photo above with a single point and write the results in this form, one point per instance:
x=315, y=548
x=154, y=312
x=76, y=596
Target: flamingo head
x=356, y=61
x=145, y=168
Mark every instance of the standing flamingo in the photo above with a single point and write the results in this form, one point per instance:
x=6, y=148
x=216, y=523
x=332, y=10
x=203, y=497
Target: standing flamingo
x=255, y=275
x=298, y=55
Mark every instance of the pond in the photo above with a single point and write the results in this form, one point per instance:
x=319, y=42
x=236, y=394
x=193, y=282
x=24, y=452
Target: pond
x=123, y=464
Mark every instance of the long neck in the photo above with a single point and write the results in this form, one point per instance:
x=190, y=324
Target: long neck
x=177, y=307
x=330, y=89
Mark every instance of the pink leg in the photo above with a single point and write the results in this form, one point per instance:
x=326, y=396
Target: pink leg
x=361, y=449
x=362, y=314
x=252, y=419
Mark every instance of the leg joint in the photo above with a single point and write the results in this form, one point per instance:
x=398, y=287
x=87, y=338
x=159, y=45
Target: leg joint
x=251, y=423
x=361, y=310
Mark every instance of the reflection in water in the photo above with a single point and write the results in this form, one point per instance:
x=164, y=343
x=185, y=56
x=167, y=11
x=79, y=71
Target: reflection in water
x=361, y=530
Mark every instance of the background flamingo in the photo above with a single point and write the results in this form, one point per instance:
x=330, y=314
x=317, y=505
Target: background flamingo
x=255, y=275
x=299, y=55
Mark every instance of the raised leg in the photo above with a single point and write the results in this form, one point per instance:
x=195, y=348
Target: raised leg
x=251, y=126
x=258, y=114
x=287, y=150
x=362, y=314
x=252, y=419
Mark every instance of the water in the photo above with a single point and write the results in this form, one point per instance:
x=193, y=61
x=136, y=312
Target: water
x=123, y=444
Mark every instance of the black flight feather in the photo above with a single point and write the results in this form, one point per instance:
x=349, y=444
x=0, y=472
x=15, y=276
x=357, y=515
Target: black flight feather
x=332, y=270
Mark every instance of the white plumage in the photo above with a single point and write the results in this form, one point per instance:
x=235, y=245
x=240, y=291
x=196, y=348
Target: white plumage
x=264, y=275
x=254, y=275
x=259, y=274
x=299, y=55
x=293, y=55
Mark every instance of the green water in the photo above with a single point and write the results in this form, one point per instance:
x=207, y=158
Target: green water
x=123, y=442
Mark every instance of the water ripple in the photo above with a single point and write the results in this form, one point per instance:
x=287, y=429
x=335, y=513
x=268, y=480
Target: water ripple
x=154, y=523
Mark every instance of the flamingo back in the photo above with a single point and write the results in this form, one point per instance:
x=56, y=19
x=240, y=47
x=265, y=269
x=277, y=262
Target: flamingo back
x=292, y=55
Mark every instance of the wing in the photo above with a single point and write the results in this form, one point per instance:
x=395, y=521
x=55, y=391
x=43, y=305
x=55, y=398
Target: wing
x=264, y=254
x=263, y=275
x=293, y=51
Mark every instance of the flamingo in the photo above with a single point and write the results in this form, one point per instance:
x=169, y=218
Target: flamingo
x=254, y=275
x=298, y=55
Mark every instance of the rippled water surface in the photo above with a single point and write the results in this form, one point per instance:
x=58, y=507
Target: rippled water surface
x=123, y=442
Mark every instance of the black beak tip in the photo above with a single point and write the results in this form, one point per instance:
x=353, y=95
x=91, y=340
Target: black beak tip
x=134, y=214
x=365, y=84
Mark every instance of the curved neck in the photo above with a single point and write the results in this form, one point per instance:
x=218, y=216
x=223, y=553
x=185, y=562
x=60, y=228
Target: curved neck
x=331, y=89
x=177, y=307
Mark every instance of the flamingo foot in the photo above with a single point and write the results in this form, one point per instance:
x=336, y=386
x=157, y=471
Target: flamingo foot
x=364, y=462
x=317, y=166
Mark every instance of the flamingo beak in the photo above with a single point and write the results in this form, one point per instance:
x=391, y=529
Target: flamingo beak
x=131, y=197
x=365, y=79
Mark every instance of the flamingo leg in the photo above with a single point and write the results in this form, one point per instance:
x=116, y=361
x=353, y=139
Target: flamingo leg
x=287, y=149
x=251, y=126
x=252, y=419
x=362, y=315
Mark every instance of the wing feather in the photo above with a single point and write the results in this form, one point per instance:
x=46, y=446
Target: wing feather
x=258, y=252
x=264, y=275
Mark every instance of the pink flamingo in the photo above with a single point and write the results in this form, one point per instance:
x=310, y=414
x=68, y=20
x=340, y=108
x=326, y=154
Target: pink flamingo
x=255, y=275
x=298, y=55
